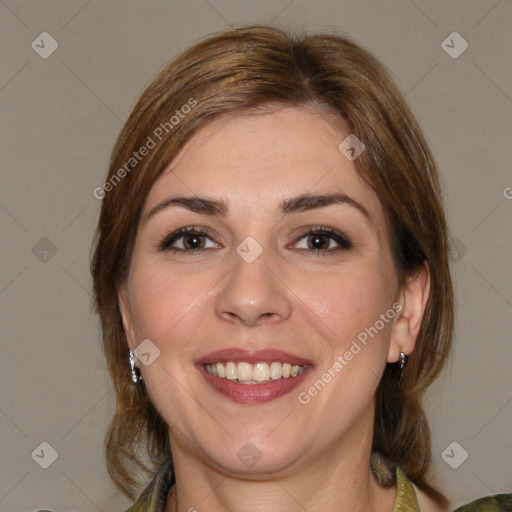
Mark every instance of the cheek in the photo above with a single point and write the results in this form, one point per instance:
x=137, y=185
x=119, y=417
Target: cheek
x=166, y=303
x=346, y=302
x=355, y=339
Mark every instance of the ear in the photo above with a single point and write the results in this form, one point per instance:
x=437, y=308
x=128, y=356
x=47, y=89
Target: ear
x=413, y=299
x=126, y=315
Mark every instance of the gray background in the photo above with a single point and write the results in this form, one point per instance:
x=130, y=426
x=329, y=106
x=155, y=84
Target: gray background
x=60, y=119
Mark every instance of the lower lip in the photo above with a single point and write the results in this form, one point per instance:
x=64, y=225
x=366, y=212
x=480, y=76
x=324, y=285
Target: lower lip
x=252, y=393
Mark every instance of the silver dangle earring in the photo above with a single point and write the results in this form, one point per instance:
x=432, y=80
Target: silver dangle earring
x=135, y=377
x=403, y=360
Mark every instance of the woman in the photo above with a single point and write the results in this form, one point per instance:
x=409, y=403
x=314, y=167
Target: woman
x=272, y=278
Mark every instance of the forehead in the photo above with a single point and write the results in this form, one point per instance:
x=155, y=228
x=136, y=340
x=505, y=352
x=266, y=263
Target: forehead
x=259, y=159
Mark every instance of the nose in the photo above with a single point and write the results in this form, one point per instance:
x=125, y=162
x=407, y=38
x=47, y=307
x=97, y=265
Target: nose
x=253, y=293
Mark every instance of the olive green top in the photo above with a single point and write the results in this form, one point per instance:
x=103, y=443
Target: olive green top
x=154, y=496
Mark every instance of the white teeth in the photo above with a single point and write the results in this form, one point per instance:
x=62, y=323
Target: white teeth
x=276, y=371
x=220, y=370
x=261, y=372
x=244, y=371
x=247, y=373
x=230, y=370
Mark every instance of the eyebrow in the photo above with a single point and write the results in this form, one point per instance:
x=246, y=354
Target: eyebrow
x=303, y=202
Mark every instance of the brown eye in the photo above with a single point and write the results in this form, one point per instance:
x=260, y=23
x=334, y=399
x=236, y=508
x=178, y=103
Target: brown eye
x=322, y=240
x=193, y=241
x=186, y=239
x=318, y=242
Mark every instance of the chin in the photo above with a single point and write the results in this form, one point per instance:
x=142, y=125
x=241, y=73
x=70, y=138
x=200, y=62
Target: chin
x=254, y=454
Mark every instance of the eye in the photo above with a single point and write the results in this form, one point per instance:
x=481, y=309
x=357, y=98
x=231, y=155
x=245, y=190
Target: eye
x=189, y=239
x=320, y=240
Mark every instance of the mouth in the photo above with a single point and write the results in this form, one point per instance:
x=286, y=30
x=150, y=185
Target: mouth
x=247, y=373
x=253, y=377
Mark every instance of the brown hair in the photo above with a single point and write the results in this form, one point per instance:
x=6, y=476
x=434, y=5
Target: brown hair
x=236, y=71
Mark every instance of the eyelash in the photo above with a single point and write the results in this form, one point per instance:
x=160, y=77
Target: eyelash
x=344, y=242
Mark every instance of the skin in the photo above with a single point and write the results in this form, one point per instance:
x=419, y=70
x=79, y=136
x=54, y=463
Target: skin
x=314, y=456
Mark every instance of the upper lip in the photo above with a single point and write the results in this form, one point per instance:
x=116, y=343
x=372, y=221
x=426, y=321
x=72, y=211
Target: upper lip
x=252, y=356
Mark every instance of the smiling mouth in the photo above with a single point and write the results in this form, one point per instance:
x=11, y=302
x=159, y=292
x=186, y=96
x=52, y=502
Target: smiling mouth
x=259, y=373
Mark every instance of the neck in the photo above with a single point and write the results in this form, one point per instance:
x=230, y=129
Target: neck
x=340, y=479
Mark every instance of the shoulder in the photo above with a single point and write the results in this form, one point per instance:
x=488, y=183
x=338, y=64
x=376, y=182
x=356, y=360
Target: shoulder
x=426, y=503
x=498, y=503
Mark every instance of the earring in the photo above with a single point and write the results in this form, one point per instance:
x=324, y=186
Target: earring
x=403, y=360
x=135, y=377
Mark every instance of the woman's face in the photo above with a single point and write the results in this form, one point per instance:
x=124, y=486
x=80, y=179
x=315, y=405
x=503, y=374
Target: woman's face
x=315, y=281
